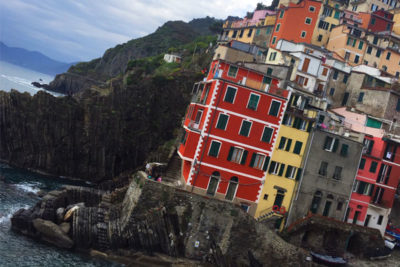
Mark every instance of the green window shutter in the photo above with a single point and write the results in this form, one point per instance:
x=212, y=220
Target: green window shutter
x=245, y=128
x=345, y=150
x=267, y=134
x=253, y=102
x=337, y=15
x=297, y=147
x=361, y=187
x=222, y=120
x=348, y=41
x=298, y=175
x=230, y=94
x=267, y=80
x=362, y=164
x=327, y=141
x=285, y=118
x=253, y=158
x=373, y=167
x=335, y=145
x=370, y=146
x=309, y=126
x=288, y=171
x=271, y=167
x=360, y=45
x=230, y=153
x=281, y=169
x=244, y=156
x=274, y=109
x=288, y=145
x=266, y=163
x=269, y=71
x=296, y=123
x=282, y=143
x=214, y=149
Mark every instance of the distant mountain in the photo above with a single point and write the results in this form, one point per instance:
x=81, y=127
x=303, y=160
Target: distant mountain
x=32, y=60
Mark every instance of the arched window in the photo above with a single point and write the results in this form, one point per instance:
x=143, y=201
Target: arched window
x=213, y=184
x=232, y=187
x=315, y=202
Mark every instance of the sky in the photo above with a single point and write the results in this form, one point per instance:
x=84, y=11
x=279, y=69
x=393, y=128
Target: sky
x=81, y=30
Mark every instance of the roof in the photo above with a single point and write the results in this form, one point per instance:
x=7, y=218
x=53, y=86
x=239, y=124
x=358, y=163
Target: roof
x=371, y=71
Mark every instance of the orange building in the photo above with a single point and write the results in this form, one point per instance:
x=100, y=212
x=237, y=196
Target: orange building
x=296, y=22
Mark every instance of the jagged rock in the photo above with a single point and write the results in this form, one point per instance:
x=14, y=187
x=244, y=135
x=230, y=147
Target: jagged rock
x=60, y=212
x=52, y=233
x=65, y=227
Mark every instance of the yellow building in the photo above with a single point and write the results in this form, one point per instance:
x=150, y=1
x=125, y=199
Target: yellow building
x=329, y=16
x=286, y=161
x=396, y=19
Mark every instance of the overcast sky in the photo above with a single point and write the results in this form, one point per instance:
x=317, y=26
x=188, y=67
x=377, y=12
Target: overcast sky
x=80, y=30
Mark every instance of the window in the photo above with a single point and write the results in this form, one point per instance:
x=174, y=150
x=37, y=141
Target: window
x=375, y=41
x=272, y=56
x=234, y=34
x=373, y=166
x=388, y=55
x=233, y=185
x=308, y=21
x=257, y=161
x=337, y=15
x=232, y=71
x=380, y=220
x=306, y=63
x=230, y=94
x=274, y=108
x=267, y=134
x=198, y=118
x=222, y=121
x=363, y=188
x=345, y=150
x=274, y=167
x=323, y=25
x=281, y=14
x=258, y=32
x=268, y=31
x=303, y=34
x=213, y=183
x=356, y=59
x=245, y=128
x=214, y=149
x=253, y=101
x=323, y=168
x=360, y=97
x=339, y=206
x=327, y=11
x=345, y=78
x=398, y=104
x=237, y=155
x=332, y=91
x=378, y=53
x=360, y=45
x=288, y=144
x=278, y=26
x=369, y=50
x=184, y=137
x=241, y=33
x=335, y=75
x=324, y=71
x=362, y=164
x=250, y=33
x=347, y=55
x=311, y=9
x=373, y=20
x=282, y=143
x=331, y=144
x=388, y=26
x=287, y=120
x=338, y=173
x=290, y=172
x=297, y=147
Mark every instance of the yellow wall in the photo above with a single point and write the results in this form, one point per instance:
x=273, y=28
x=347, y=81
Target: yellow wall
x=325, y=33
x=270, y=20
x=396, y=25
x=287, y=158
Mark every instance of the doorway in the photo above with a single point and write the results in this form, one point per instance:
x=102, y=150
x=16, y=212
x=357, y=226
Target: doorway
x=213, y=184
x=280, y=195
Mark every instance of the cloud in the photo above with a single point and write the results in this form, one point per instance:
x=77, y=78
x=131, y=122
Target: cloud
x=72, y=30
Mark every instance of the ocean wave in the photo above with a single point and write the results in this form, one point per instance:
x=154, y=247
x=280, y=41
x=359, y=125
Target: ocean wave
x=29, y=187
x=10, y=212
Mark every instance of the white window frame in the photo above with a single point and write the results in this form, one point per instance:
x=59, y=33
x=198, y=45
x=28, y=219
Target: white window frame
x=280, y=105
x=276, y=169
x=305, y=34
x=305, y=21
x=311, y=7
x=251, y=124
x=248, y=101
x=260, y=163
x=289, y=121
x=331, y=145
x=273, y=130
x=293, y=172
x=226, y=91
x=219, y=116
x=303, y=125
x=239, y=149
x=219, y=149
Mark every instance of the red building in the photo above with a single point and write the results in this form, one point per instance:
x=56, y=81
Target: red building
x=230, y=130
x=296, y=22
x=377, y=21
x=376, y=183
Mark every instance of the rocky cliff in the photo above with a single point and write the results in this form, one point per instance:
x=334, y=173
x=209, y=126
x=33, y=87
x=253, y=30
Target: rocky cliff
x=153, y=217
x=98, y=135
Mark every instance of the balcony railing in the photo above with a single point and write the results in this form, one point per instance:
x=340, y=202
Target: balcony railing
x=193, y=125
x=199, y=98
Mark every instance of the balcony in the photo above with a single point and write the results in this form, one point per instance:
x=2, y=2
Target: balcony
x=194, y=125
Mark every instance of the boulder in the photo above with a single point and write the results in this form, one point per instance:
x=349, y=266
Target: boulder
x=60, y=212
x=52, y=233
x=65, y=227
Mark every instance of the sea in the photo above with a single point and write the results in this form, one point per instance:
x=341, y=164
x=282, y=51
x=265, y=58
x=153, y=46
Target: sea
x=18, y=190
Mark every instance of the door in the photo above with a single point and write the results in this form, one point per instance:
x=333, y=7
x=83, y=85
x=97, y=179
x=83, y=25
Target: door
x=356, y=215
x=367, y=220
x=197, y=119
x=327, y=208
x=345, y=98
x=213, y=184
x=230, y=193
x=280, y=195
x=305, y=65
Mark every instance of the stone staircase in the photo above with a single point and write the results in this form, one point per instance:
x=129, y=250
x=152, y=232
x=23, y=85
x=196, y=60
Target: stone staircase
x=102, y=222
x=173, y=172
x=267, y=214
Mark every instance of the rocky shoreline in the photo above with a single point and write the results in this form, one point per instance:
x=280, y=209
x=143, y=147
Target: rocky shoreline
x=147, y=219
